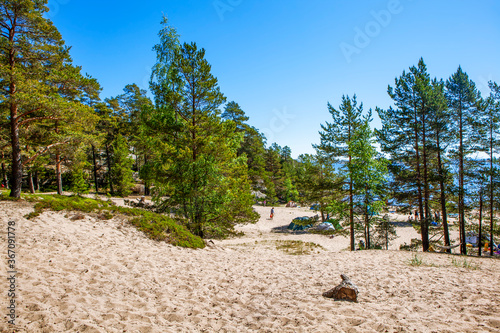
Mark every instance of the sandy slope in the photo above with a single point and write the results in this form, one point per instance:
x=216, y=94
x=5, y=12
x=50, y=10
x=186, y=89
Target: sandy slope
x=104, y=276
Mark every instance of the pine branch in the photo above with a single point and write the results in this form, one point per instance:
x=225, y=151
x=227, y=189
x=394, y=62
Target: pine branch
x=28, y=112
x=43, y=151
x=37, y=118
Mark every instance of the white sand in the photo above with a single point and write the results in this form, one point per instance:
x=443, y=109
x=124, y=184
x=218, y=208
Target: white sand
x=105, y=276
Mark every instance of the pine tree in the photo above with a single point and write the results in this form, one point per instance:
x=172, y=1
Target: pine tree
x=41, y=86
x=122, y=167
x=385, y=232
x=253, y=148
x=368, y=173
x=233, y=112
x=405, y=136
x=489, y=118
x=462, y=99
x=131, y=104
x=107, y=129
x=275, y=182
x=195, y=165
x=335, y=138
x=319, y=184
x=79, y=165
x=442, y=139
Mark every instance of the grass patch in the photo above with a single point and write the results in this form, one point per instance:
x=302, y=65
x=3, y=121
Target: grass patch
x=464, y=264
x=415, y=260
x=161, y=227
x=293, y=247
x=5, y=197
x=156, y=226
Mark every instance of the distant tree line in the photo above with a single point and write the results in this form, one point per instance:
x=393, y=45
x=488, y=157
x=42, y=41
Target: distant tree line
x=438, y=155
x=195, y=153
x=198, y=157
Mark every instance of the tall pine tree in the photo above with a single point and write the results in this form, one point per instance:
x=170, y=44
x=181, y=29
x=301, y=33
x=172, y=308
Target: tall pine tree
x=195, y=166
x=335, y=138
x=368, y=172
x=40, y=85
x=405, y=137
x=462, y=97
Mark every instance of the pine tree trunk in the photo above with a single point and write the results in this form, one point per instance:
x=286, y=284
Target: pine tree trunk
x=351, y=195
x=4, y=176
x=30, y=183
x=351, y=210
x=96, y=183
x=146, y=182
x=197, y=207
x=17, y=167
x=491, y=191
x=461, y=205
x=108, y=161
x=419, y=178
x=425, y=221
x=367, y=221
x=367, y=230
x=37, y=181
x=58, y=174
x=480, y=223
x=442, y=195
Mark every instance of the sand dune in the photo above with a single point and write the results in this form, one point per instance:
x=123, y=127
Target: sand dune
x=93, y=275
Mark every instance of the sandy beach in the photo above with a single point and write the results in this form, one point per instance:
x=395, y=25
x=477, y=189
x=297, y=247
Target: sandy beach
x=92, y=275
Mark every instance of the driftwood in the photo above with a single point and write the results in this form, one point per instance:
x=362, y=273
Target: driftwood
x=447, y=247
x=346, y=290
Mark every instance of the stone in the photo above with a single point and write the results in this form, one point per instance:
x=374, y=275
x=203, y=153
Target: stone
x=77, y=216
x=346, y=290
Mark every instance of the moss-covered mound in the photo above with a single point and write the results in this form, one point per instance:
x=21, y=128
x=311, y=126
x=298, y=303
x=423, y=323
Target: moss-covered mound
x=156, y=226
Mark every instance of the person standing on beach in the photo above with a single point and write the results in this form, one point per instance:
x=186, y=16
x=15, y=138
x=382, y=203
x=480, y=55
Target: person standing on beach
x=272, y=213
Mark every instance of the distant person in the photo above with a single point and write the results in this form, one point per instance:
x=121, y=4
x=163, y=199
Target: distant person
x=416, y=215
x=272, y=213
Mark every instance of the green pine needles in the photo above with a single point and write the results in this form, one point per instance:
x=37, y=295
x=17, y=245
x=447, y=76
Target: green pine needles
x=195, y=166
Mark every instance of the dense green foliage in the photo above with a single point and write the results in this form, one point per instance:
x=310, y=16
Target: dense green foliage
x=44, y=96
x=201, y=161
x=368, y=172
x=195, y=164
x=122, y=168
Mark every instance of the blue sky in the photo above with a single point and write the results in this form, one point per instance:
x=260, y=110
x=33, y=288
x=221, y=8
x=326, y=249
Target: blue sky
x=282, y=61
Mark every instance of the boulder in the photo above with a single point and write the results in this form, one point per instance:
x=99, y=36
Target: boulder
x=346, y=290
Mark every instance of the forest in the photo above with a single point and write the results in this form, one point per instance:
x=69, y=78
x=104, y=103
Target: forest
x=193, y=151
